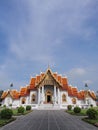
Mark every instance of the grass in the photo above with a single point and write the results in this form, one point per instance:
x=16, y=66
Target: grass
x=86, y=119
x=6, y=121
x=82, y=113
x=15, y=113
x=91, y=121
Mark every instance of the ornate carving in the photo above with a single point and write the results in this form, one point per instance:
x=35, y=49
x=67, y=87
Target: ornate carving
x=48, y=80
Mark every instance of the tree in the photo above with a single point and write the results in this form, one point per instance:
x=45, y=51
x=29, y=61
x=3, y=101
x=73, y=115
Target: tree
x=97, y=98
x=1, y=91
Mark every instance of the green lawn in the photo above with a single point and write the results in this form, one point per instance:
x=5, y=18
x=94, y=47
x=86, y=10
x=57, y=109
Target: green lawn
x=91, y=121
x=6, y=121
x=86, y=119
x=15, y=113
x=82, y=113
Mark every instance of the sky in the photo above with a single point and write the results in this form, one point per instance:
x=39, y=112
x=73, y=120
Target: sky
x=60, y=33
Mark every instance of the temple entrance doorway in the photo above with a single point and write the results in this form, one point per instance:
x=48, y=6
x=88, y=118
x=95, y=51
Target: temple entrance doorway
x=48, y=97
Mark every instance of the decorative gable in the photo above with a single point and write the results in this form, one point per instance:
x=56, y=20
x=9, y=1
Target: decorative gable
x=48, y=79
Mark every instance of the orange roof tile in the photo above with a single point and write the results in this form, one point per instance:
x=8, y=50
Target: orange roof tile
x=81, y=95
x=55, y=75
x=70, y=91
x=64, y=83
x=59, y=78
x=15, y=94
x=32, y=83
x=92, y=94
x=74, y=91
x=38, y=78
x=64, y=80
x=24, y=91
x=4, y=94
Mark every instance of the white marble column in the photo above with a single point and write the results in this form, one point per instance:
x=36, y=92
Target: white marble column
x=42, y=94
x=54, y=94
x=38, y=95
x=58, y=96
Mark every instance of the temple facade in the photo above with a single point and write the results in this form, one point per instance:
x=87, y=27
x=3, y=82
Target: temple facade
x=48, y=90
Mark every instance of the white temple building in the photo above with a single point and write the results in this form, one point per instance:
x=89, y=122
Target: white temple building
x=48, y=90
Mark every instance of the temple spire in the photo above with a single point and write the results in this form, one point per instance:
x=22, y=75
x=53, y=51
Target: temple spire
x=48, y=66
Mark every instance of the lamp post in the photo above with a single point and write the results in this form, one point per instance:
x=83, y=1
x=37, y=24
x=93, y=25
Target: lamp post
x=86, y=94
x=9, y=102
x=86, y=86
x=11, y=85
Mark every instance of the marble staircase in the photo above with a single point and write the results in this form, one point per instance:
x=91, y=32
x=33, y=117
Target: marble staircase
x=48, y=107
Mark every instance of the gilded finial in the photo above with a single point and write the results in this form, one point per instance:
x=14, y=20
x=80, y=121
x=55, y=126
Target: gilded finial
x=48, y=66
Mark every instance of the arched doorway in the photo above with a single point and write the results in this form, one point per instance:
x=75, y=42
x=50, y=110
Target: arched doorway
x=48, y=96
x=23, y=100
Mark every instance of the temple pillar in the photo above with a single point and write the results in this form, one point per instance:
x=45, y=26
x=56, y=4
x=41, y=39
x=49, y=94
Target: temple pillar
x=58, y=96
x=54, y=94
x=38, y=95
x=43, y=94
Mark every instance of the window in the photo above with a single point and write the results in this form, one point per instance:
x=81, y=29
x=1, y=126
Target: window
x=74, y=100
x=33, y=97
x=63, y=98
x=23, y=100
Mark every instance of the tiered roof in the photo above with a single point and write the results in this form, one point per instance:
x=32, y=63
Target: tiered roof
x=81, y=94
x=13, y=93
x=61, y=81
x=24, y=91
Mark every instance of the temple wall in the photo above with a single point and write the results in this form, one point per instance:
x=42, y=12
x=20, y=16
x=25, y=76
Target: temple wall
x=7, y=101
x=15, y=103
x=33, y=92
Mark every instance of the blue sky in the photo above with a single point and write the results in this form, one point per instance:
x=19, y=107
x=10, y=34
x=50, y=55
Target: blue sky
x=62, y=33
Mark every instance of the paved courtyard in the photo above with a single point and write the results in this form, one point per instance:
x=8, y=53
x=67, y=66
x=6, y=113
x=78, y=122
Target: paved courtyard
x=48, y=120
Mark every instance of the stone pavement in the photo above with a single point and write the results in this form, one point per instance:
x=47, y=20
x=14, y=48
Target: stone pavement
x=48, y=120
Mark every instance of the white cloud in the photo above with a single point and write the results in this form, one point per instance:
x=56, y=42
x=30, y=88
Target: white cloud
x=77, y=72
x=79, y=76
x=35, y=36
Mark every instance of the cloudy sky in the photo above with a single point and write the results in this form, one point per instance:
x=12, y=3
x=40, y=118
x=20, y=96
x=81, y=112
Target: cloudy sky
x=61, y=33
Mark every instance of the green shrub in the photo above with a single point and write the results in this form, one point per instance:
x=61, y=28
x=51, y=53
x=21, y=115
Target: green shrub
x=6, y=113
x=21, y=110
x=69, y=107
x=91, y=105
x=28, y=108
x=4, y=106
x=77, y=109
x=92, y=113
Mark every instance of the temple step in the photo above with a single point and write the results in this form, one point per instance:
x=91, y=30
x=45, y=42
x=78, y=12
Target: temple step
x=49, y=107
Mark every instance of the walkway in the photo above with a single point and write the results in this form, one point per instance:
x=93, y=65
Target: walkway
x=48, y=120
